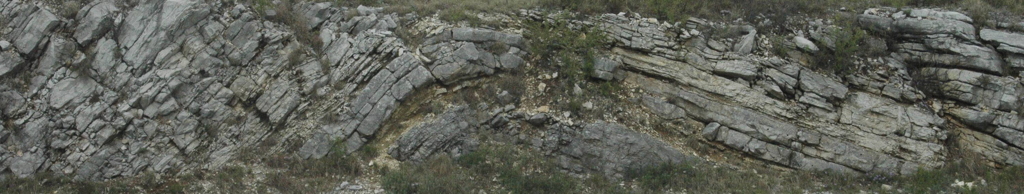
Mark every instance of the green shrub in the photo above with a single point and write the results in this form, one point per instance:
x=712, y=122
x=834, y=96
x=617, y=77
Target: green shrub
x=337, y=162
x=574, y=49
x=287, y=16
x=840, y=60
x=231, y=178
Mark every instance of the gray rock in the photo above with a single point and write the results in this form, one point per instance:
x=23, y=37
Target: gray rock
x=710, y=131
x=9, y=62
x=960, y=29
x=825, y=87
x=815, y=100
x=886, y=117
x=663, y=108
x=364, y=10
x=975, y=118
x=609, y=148
x=315, y=13
x=976, y=88
x=11, y=103
x=937, y=38
x=483, y=35
x=5, y=45
x=510, y=61
x=71, y=91
x=538, y=119
x=94, y=23
x=31, y=29
x=785, y=82
x=139, y=39
x=1012, y=136
x=805, y=44
x=942, y=52
x=26, y=165
x=736, y=69
x=604, y=68
x=875, y=23
x=1005, y=41
x=459, y=61
x=279, y=101
x=718, y=46
x=746, y=44
x=937, y=14
x=733, y=139
x=449, y=133
x=316, y=147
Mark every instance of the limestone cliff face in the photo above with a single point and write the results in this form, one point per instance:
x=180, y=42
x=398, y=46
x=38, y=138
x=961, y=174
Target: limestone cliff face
x=171, y=85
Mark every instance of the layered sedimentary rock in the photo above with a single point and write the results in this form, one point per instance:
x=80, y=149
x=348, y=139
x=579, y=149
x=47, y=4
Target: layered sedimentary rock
x=176, y=85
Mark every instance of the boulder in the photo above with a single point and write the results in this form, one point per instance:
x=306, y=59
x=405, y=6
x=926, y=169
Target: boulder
x=448, y=133
x=736, y=69
x=9, y=62
x=823, y=86
x=604, y=68
x=31, y=29
x=609, y=148
x=805, y=44
x=95, y=22
x=746, y=44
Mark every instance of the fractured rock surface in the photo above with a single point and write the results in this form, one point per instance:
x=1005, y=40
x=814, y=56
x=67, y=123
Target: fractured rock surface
x=178, y=85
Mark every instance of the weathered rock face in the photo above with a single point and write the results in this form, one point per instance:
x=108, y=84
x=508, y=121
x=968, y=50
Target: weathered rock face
x=607, y=148
x=936, y=38
x=171, y=85
x=599, y=147
x=178, y=85
x=865, y=122
x=450, y=133
x=460, y=53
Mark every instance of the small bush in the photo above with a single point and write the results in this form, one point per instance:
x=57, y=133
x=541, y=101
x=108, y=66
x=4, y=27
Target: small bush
x=574, y=49
x=840, y=60
x=295, y=21
x=574, y=105
x=513, y=85
x=609, y=89
x=369, y=151
x=230, y=178
x=282, y=182
x=337, y=162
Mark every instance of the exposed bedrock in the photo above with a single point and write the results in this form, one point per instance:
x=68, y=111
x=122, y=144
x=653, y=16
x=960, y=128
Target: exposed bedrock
x=176, y=85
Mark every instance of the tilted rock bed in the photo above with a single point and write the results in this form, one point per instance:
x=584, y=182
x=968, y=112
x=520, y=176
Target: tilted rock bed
x=170, y=85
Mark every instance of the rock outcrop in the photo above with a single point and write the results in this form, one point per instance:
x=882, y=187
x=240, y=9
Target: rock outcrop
x=177, y=85
x=781, y=111
x=609, y=149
